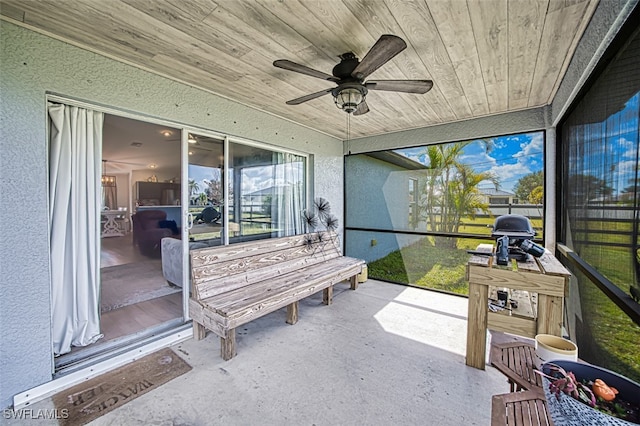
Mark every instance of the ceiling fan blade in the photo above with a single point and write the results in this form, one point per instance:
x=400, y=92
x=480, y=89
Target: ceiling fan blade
x=305, y=98
x=292, y=66
x=363, y=108
x=407, y=86
x=385, y=48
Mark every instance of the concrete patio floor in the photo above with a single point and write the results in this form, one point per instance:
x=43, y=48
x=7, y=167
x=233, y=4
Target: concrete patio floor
x=381, y=355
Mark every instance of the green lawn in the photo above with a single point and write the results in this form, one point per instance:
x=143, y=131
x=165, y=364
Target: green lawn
x=615, y=337
x=607, y=335
x=424, y=265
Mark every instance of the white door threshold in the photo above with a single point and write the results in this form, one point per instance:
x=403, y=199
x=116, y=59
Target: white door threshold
x=38, y=393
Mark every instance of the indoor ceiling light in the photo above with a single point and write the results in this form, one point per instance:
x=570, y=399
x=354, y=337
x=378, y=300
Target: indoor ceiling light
x=166, y=133
x=107, y=180
x=152, y=166
x=192, y=139
x=347, y=97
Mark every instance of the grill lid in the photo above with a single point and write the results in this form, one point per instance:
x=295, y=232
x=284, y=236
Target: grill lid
x=513, y=226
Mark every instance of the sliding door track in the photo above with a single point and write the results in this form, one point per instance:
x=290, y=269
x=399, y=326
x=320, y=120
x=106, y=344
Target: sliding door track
x=98, y=352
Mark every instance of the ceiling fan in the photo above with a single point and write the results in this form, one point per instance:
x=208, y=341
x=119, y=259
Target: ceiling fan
x=350, y=76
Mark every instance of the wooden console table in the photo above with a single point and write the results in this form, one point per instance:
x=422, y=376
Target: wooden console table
x=544, y=276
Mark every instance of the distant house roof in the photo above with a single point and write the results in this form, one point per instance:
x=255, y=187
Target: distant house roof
x=266, y=191
x=494, y=192
x=397, y=159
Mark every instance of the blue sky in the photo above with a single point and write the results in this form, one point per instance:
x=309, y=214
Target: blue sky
x=201, y=175
x=253, y=178
x=612, y=152
x=511, y=158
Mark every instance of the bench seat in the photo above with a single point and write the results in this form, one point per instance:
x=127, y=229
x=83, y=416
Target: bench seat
x=237, y=284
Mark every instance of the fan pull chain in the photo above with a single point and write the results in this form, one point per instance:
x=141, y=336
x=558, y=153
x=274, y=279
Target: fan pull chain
x=348, y=128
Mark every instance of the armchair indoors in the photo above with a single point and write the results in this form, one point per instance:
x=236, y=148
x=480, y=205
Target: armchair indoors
x=149, y=227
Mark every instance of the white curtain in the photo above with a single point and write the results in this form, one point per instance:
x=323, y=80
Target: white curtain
x=74, y=202
x=289, y=193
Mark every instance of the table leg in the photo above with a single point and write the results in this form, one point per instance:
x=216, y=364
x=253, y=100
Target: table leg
x=477, y=325
x=550, y=318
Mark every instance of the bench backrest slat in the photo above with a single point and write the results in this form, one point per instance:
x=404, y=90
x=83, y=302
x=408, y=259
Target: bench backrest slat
x=220, y=269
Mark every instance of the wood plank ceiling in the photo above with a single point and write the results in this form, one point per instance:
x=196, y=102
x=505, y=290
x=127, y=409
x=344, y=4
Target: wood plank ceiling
x=484, y=56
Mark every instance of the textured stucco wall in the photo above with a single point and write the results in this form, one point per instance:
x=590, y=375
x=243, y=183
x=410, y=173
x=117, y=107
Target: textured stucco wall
x=378, y=198
x=31, y=65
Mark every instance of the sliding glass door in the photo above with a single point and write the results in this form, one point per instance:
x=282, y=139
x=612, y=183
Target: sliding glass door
x=267, y=192
x=205, y=190
x=237, y=191
x=171, y=190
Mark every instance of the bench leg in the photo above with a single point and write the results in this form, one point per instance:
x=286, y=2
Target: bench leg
x=198, y=331
x=327, y=295
x=354, y=282
x=228, y=345
x=292, y=313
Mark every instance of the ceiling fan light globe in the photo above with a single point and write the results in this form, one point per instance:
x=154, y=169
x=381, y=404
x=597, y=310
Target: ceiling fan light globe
x=348, y=99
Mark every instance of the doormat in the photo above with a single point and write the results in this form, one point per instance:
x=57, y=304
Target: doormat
x=91, y=399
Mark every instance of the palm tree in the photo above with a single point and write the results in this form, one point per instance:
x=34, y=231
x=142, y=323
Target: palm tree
x=193, y=187
x=451, y=188
x=465, y=195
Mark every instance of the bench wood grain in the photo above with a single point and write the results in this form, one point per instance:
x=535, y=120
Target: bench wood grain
x=235, y=284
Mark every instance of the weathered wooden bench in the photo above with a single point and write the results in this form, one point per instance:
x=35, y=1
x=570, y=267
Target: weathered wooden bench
x=234, y=284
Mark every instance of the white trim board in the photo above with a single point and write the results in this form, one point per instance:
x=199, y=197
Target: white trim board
x=38, y=393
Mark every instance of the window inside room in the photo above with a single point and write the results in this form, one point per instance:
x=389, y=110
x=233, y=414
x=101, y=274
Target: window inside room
x=448, y=192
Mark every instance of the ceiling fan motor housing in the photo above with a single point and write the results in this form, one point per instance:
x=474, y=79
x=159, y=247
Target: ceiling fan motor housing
x=346, y=66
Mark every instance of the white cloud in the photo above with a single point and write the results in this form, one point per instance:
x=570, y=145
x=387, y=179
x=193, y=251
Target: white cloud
x=479, y=161
x=526, y=161
x=499, y=143
x=256, y=178
x=535, y=146
x=626, y=167
x=630, y=148
x=506, y=172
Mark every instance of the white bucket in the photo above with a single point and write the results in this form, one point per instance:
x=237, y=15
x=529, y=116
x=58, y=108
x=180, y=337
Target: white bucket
x=550, y=348
x=362, y=276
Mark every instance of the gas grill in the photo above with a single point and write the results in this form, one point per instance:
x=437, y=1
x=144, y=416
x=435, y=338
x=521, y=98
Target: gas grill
x=515, y=232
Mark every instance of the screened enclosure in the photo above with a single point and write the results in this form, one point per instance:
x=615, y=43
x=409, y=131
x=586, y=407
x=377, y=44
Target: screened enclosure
x=601, y=213
x=413, y=213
